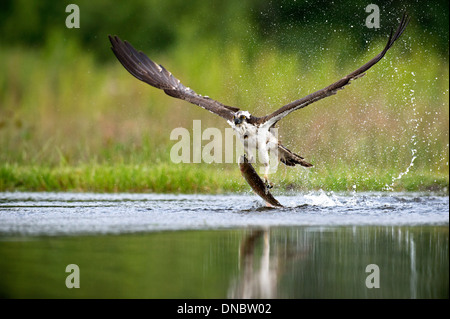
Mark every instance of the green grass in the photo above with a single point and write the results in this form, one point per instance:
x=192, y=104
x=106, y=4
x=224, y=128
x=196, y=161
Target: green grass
x=183, y=178
x=114, y=178
x=68, y=122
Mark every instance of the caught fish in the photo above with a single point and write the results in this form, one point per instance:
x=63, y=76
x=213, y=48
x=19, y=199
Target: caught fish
x=256, y=183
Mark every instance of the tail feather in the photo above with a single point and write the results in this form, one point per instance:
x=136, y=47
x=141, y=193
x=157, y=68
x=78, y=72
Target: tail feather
x=291, y=159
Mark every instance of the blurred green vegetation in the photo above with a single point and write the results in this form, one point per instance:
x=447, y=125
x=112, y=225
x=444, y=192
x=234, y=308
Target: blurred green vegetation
x=158, y=25
x=68, y=108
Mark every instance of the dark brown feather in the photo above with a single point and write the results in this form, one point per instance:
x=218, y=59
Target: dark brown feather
x=333, y=88
x=289, y=158
x=144, y=69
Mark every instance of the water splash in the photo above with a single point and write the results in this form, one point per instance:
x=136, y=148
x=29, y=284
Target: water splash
x=322, y=199
x=400, y=175
x=415, y=120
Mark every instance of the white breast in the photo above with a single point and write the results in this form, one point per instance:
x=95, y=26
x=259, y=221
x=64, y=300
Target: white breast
x=255, y=137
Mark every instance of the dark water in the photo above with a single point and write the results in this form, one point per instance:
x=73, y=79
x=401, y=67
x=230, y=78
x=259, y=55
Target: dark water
x=224, y=246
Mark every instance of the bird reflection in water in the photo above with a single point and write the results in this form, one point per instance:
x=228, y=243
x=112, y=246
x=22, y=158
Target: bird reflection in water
x=261, y=268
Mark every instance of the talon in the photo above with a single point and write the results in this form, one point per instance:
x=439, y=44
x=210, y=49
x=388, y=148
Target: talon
x=268, y=184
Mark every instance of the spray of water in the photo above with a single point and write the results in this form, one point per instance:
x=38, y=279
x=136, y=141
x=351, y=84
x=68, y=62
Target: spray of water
x=415, y=121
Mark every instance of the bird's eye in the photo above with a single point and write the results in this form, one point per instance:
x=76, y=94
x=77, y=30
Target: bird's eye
x=242, y=117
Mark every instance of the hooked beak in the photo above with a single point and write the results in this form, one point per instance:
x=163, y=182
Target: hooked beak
x=237, y=121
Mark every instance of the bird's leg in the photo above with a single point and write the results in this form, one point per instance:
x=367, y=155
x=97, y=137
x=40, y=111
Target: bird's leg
x=268, y=184
x=264, y=159
x=249, y=156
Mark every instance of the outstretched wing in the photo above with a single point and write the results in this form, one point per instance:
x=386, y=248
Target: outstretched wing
x=144, y=69
x=271, y=119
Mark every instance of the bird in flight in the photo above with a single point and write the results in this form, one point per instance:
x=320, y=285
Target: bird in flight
x=254, y=132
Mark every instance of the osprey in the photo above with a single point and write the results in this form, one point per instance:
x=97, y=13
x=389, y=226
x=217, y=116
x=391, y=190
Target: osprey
x=254, y=132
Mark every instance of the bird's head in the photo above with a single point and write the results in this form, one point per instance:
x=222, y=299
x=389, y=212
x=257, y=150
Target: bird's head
x=241, y=117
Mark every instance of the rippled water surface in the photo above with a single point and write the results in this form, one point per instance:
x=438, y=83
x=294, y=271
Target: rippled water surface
x=224, y=246
x=72, y=213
